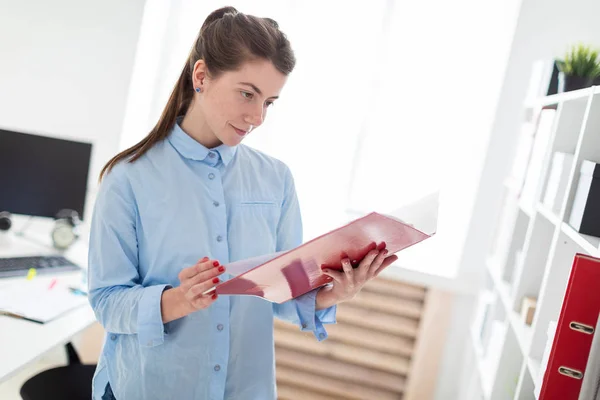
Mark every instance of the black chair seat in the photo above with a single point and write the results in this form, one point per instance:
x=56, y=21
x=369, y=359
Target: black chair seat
x=72, y=382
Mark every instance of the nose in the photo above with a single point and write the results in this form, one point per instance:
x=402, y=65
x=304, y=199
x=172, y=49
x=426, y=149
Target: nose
x=256, y=117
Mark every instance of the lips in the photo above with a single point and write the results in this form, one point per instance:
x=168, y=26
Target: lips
x=239, y=131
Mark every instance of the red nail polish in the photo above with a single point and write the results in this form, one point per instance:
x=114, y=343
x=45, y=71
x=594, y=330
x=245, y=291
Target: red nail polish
x=221, y=269
x=216, y=280
x=216, y=263
x=214, y=296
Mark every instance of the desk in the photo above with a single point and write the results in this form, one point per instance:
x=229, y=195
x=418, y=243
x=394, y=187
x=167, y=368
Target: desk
x=22, y=342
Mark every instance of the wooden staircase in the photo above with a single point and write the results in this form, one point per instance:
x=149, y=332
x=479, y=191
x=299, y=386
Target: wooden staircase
x=369, y=354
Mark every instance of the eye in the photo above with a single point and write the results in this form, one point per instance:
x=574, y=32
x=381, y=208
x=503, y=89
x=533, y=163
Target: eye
x=247, y=95
x=269, y=103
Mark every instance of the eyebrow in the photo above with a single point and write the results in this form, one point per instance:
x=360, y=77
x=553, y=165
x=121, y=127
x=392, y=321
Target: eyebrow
x=257, y=90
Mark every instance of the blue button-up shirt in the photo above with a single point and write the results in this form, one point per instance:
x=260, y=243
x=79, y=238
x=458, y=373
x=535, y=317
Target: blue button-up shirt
x=153, y=217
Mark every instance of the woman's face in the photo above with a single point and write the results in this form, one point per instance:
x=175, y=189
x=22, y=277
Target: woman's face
x=236, y=102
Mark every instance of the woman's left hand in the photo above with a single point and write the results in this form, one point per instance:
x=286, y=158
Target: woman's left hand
x=350, y=281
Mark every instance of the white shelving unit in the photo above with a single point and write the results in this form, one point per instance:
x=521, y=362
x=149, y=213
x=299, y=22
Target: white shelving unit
x=533, y=251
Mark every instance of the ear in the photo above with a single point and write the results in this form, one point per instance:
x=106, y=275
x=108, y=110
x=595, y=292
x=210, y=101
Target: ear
x=199, y=74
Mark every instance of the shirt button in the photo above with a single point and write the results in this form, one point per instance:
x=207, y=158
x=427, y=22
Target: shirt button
x=220, y=327
x=113, y=337
x=304, y=325
x=217, y=367
x=216, y=203
x=211, y=155
x=321, y=336
x=211, y=176
x=219, y=238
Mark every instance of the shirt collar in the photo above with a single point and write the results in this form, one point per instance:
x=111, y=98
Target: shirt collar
x=193, y=150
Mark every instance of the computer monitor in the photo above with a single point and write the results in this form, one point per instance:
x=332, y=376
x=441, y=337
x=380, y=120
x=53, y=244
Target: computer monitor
x=40, y=175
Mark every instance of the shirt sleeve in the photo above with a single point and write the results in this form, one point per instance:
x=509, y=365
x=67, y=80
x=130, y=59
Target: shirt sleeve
x=300, y=311
x=121, y=304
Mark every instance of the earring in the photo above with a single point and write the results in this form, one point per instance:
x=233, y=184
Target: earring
x=198, y=90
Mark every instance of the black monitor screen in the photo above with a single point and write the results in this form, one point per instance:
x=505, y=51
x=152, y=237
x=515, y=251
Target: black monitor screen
x=41, y=175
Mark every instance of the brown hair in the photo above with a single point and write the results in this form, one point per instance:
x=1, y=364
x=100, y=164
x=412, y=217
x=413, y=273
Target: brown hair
x=227, y=39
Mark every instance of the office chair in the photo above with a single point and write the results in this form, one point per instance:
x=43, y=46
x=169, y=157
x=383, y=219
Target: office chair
x=70, y=382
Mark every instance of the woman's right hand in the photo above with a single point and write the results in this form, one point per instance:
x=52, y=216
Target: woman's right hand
x=197, y=279
x=188, y=296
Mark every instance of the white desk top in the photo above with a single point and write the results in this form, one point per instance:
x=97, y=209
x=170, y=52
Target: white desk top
x=23, y=342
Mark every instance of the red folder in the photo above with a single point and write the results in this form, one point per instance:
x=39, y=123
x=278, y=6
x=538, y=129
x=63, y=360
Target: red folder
x=574, y=331
x=299, y=271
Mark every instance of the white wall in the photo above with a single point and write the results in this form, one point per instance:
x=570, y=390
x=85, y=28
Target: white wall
x=65, y=70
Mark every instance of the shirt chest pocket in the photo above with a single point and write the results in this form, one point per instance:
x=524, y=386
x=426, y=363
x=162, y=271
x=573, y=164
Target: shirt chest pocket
x=255, y=221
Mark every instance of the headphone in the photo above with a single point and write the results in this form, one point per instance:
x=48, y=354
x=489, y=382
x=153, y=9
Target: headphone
x=5, y=221
x=69, y=217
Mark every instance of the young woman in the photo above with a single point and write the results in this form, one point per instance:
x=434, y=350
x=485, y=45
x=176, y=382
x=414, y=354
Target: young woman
x=190, y=191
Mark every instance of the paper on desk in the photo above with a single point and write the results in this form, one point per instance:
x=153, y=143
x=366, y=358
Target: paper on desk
x=34, y=301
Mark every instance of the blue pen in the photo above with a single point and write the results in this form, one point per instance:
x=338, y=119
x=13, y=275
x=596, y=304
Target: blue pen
x=78, y=292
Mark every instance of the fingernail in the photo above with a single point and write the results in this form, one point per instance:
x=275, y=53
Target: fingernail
x=216, y=280
x=221, y=269
x=205, y=259
x=216, y=263
x=385, y=252
x=214, y=296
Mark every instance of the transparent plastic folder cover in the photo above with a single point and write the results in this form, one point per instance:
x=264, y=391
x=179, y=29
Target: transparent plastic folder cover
x=279, y=277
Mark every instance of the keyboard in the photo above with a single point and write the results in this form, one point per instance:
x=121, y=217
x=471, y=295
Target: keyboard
x=19, y=266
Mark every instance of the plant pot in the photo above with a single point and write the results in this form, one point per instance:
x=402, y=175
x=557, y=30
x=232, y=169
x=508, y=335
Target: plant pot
x=596, y=81
x=567, y=83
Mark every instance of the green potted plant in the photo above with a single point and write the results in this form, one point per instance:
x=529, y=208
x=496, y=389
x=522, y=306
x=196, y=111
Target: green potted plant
x=579, y=69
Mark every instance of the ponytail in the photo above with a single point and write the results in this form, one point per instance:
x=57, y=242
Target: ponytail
x=178, y=103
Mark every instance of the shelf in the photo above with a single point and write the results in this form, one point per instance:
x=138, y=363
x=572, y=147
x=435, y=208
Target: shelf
x=500, y=285
x=526, y=208
x=581, y=94
x=522, y=332
x=532, y=248
x=590, y=244
x=548, y=214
